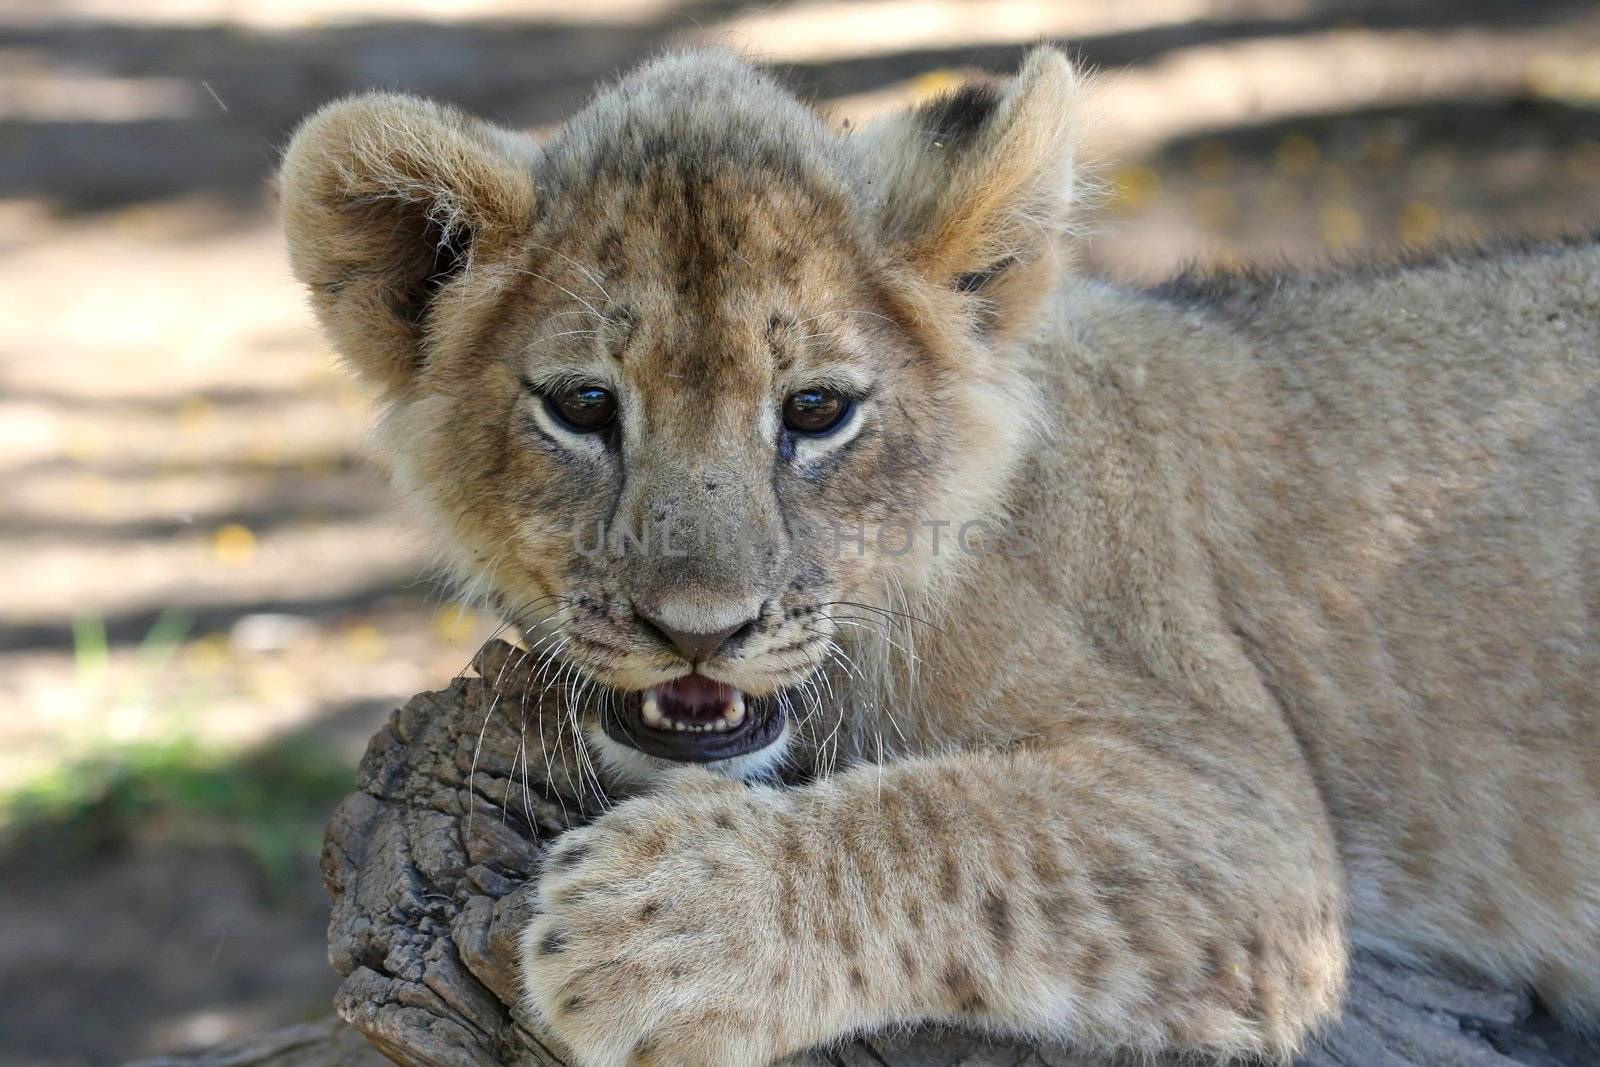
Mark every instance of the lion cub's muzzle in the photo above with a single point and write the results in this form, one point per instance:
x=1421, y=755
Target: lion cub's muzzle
x=694, y=719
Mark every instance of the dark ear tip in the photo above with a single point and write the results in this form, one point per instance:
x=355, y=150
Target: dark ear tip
x=959, y=115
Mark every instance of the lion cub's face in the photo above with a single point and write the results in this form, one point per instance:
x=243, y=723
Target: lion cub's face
x=694, y=397
x=691, y=388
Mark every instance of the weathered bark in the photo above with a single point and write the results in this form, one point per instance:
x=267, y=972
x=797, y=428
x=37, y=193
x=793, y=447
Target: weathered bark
x=430, y=866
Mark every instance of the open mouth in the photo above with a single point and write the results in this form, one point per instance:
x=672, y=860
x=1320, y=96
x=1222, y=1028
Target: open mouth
x=694, y=720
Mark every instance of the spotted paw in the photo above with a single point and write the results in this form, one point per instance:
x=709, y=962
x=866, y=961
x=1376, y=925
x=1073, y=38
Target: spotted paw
x=657, y=942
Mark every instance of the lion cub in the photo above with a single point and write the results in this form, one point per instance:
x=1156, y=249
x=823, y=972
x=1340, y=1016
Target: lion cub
x=985, y=642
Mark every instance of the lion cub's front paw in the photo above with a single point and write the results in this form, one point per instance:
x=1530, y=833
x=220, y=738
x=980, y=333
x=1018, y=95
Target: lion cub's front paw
x=656, y=943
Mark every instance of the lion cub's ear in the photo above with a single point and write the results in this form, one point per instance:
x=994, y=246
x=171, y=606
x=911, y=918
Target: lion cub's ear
x=385, y=200
x=977, y=184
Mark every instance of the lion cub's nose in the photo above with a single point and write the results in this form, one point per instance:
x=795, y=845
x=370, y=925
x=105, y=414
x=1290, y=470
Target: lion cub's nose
x=693, y=646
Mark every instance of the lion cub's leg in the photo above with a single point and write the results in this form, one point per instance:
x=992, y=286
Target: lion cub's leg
x=1089, y=893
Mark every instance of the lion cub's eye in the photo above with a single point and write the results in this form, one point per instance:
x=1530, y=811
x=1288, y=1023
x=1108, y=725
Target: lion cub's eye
x=583, y=408
x=815, y=411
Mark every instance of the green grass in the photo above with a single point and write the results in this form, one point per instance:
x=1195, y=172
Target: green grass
x=271, y=801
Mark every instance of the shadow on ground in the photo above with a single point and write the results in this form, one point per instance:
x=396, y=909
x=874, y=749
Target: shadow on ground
x=224, y=98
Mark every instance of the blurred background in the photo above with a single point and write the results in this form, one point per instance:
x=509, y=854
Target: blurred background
x=207, y=599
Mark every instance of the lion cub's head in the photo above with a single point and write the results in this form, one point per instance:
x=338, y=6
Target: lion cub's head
x=693, y=385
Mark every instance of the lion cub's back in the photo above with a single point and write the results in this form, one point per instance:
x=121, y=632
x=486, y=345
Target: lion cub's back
x=1461, y=400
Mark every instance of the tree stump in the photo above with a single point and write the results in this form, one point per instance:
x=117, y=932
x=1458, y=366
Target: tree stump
x=431, y=865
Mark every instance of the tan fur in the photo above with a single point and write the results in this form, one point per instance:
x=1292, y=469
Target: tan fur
x=1299, y=648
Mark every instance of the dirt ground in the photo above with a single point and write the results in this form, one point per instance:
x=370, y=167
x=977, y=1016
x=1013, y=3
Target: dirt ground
x=193, y=546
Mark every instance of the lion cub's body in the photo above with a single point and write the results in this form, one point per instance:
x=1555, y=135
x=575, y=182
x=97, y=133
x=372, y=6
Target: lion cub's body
x=1302, y=649
x=1367, y=507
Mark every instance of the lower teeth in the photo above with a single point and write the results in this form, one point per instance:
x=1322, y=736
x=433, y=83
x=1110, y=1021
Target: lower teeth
x=653, y=716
